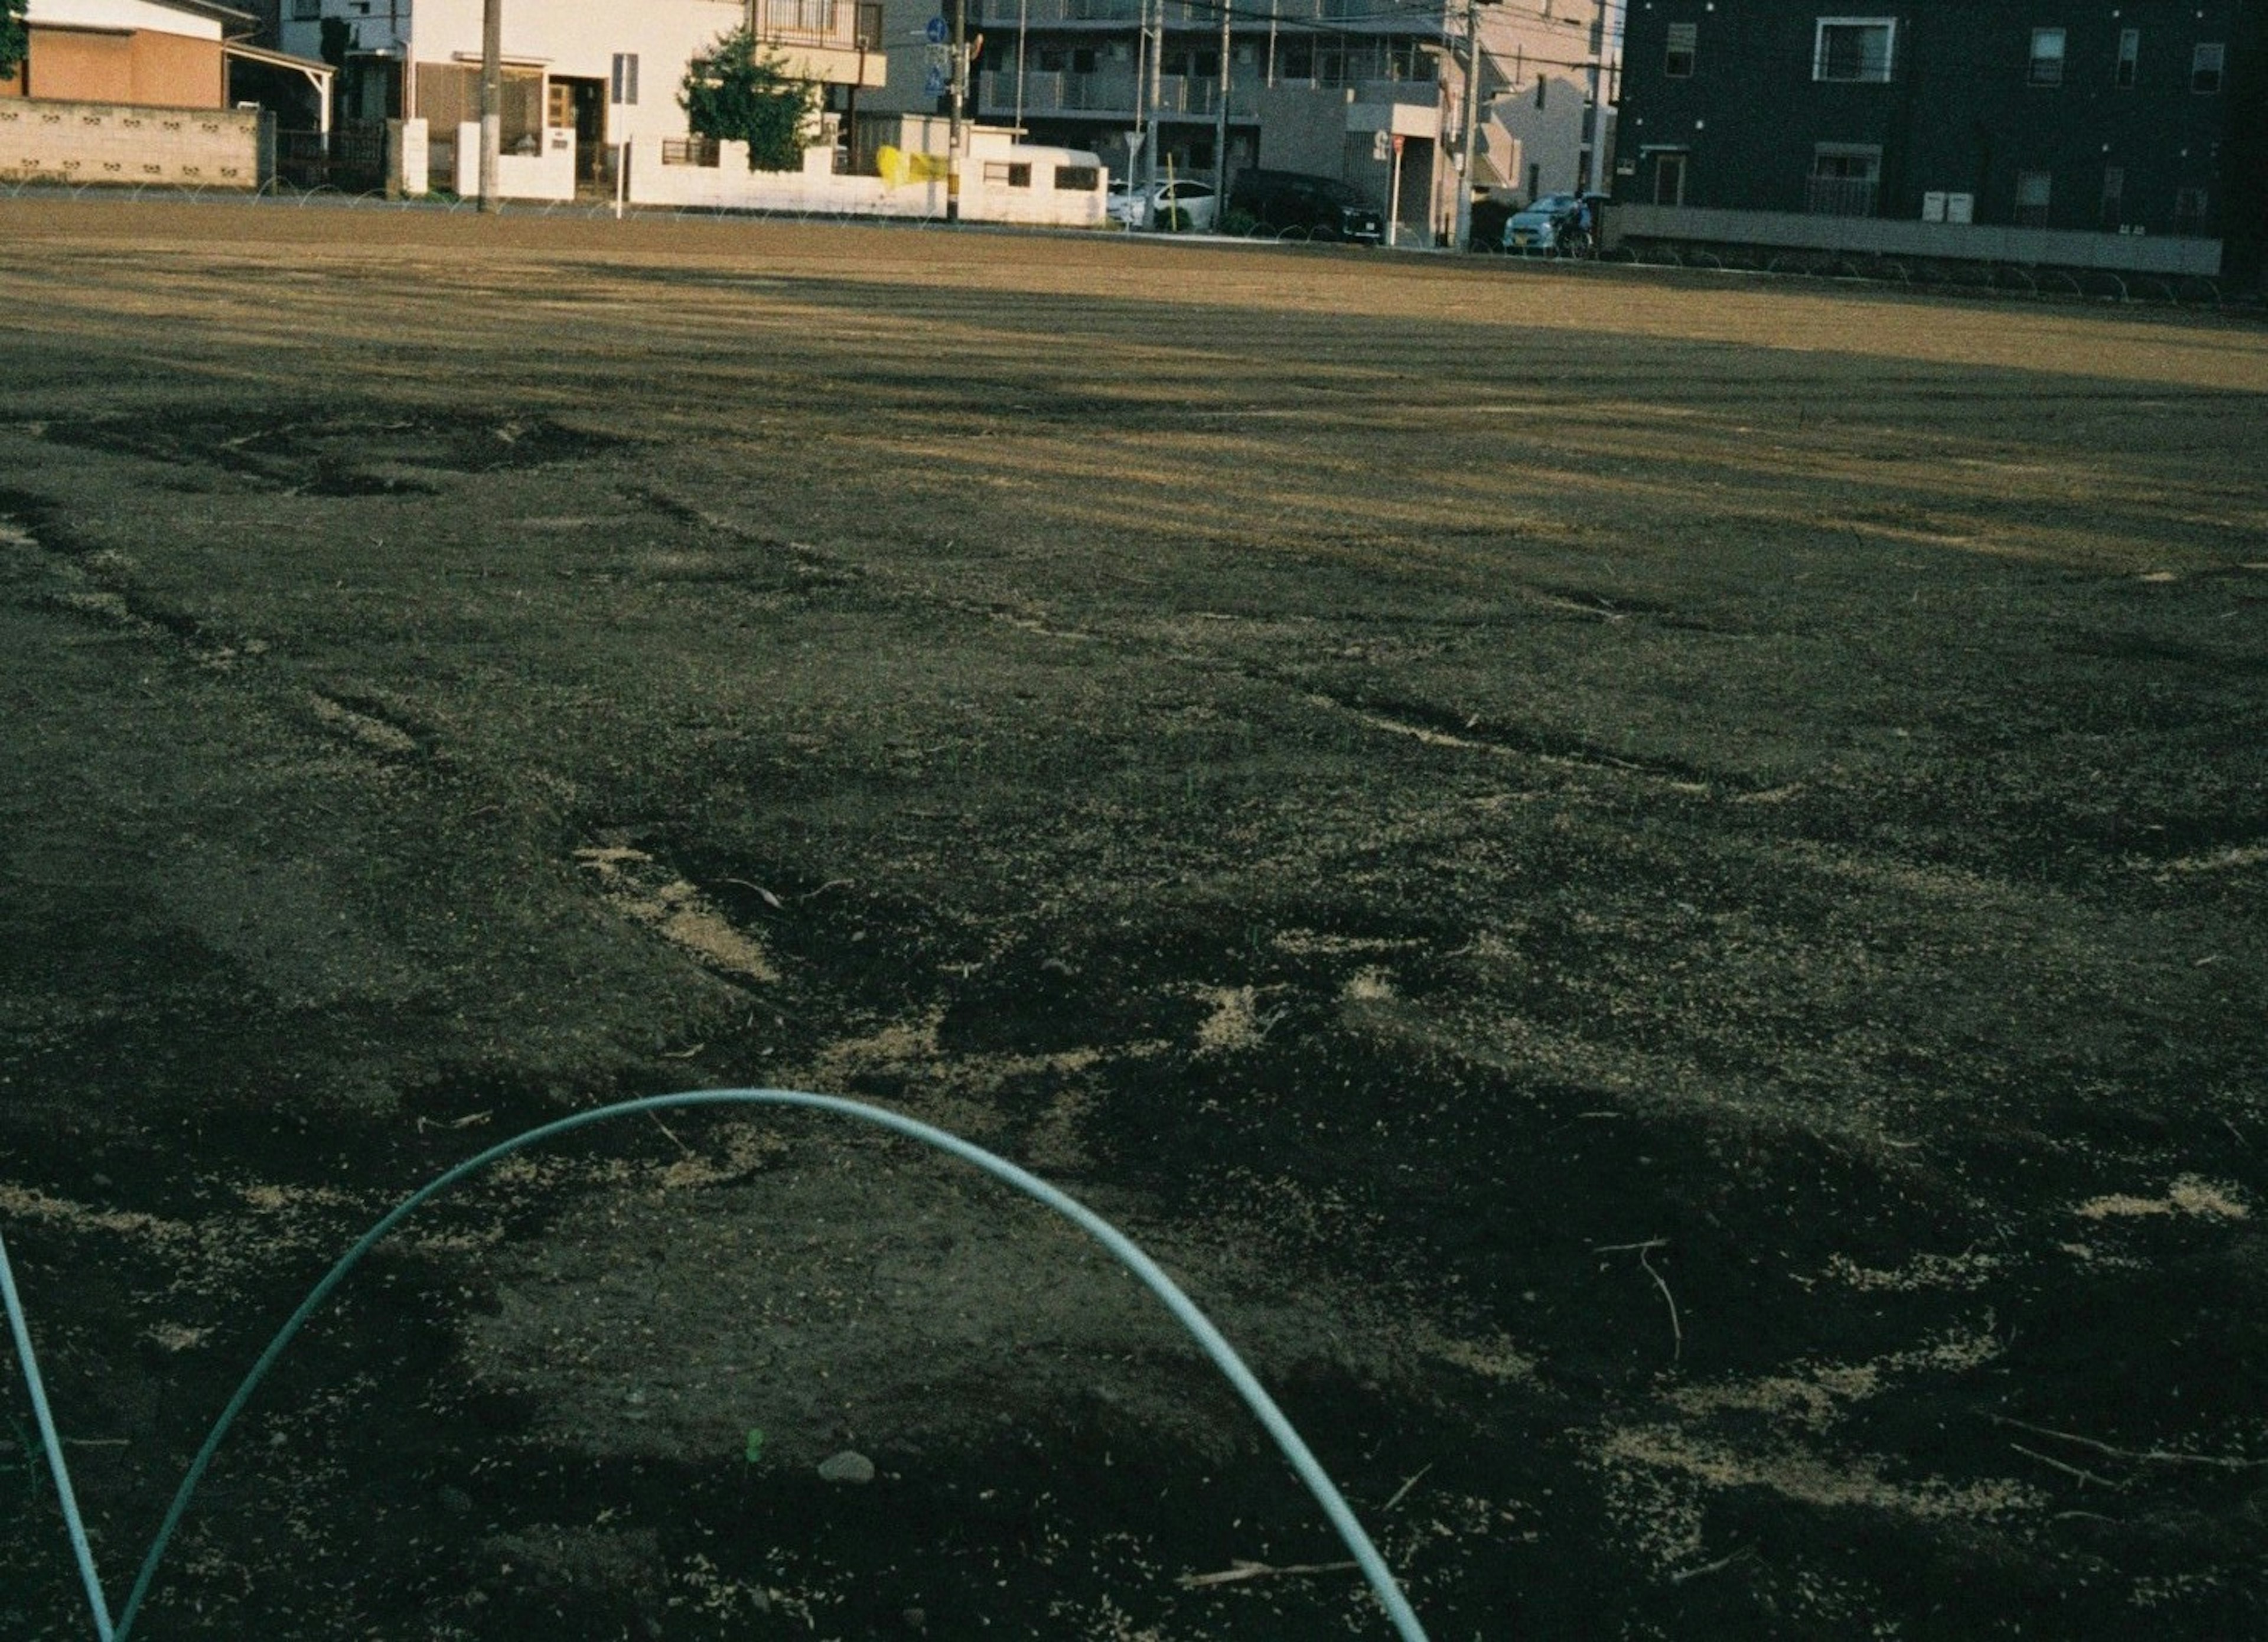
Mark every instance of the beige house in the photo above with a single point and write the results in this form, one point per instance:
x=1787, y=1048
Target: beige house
x=149, y=93
x=161, y=54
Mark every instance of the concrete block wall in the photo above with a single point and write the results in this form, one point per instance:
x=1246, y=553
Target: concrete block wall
x=47, y=141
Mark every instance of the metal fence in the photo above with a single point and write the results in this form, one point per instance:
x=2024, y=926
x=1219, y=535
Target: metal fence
x=351, y=158
x=1841, y=196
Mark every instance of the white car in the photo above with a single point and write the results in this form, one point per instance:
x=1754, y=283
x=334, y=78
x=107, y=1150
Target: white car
x=1193, y=204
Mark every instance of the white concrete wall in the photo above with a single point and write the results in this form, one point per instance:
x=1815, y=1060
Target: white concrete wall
x=730, y=185
x=134, y=14
x=549, y=175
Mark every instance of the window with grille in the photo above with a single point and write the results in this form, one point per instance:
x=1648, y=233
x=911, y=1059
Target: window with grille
x=2047, y=56
x=2114, y=198
x=1684, y=38
x=1854, y=48
x=1076, y=178
x=2034, y=188
x=2207, y=63
x=2189, y=211
x=2130, y=57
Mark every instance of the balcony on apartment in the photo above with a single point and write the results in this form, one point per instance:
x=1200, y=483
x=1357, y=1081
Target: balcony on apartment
x=1346, y=16
x=1107, y=94
x=838, y=42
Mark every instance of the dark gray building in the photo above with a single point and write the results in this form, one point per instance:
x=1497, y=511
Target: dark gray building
x=2126, y=136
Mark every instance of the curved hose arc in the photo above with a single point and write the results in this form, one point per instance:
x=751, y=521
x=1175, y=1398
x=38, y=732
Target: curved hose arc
x=52, y=1440
x=1223, y=1355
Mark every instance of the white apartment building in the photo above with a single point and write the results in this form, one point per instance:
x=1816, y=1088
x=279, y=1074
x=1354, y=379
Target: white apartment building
x=607, y=70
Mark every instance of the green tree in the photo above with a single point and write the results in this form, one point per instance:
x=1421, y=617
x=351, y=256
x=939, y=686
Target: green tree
x=735, y=92
x=13, y=41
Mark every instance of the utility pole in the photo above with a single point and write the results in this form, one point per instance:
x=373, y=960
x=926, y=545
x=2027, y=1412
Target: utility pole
x=1220, y=132
x=959, y=92
x=1464, y=233
x=1597, y=182
x=491, y=99
x=1151, y=46
x=1023, y=17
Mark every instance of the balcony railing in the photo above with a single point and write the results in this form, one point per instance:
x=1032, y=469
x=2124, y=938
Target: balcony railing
x=1185, y=14
x=840, y=24
x=1046, y=93
x=1841, y=196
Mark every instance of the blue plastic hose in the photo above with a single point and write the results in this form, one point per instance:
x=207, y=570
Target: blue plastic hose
x=1224, y=1355
x=54, y=1444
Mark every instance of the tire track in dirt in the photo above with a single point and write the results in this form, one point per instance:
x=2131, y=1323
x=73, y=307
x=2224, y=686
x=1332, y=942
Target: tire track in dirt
x=98, y=587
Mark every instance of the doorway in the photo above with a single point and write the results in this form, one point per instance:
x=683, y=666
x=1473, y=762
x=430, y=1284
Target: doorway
x=1669, y=178
x=579, y=106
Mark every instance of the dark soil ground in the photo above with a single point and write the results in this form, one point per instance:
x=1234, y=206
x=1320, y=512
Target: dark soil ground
x=1651, y=888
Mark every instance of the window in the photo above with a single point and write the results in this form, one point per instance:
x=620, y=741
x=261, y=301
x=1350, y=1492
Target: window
x=306, y=10
x=2130, y=54
x=2205, y=65
x=1683, y=38
x=1003, y=174
x=2033, y=188
x=1845, y=179
x=1077, y=179
x=2189, y=211
x=1853, y=48
x=2047, y=56
x=2114, y=198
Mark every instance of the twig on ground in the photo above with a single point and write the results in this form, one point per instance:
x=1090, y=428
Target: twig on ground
x=2151, y=1456
x=1738, y=1553
x=1676, y=1332
x=1240, y=1571
x=675, y=1141
x=2080, y=1472
x=1403, y=1492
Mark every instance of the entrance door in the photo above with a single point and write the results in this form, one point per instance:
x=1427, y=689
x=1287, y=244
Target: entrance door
x=1669, y=178
x=580, y=106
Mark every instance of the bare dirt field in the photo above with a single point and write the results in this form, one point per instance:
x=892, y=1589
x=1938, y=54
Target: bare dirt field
x=1654, y=890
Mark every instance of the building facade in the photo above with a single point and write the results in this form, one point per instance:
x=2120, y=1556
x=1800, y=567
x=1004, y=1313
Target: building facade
x=604, y=70
x=1371, y=94
x=2084, y=121
x=169, y=53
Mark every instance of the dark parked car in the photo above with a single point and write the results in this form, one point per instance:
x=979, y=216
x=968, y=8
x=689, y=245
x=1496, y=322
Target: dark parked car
x=1322, y=208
